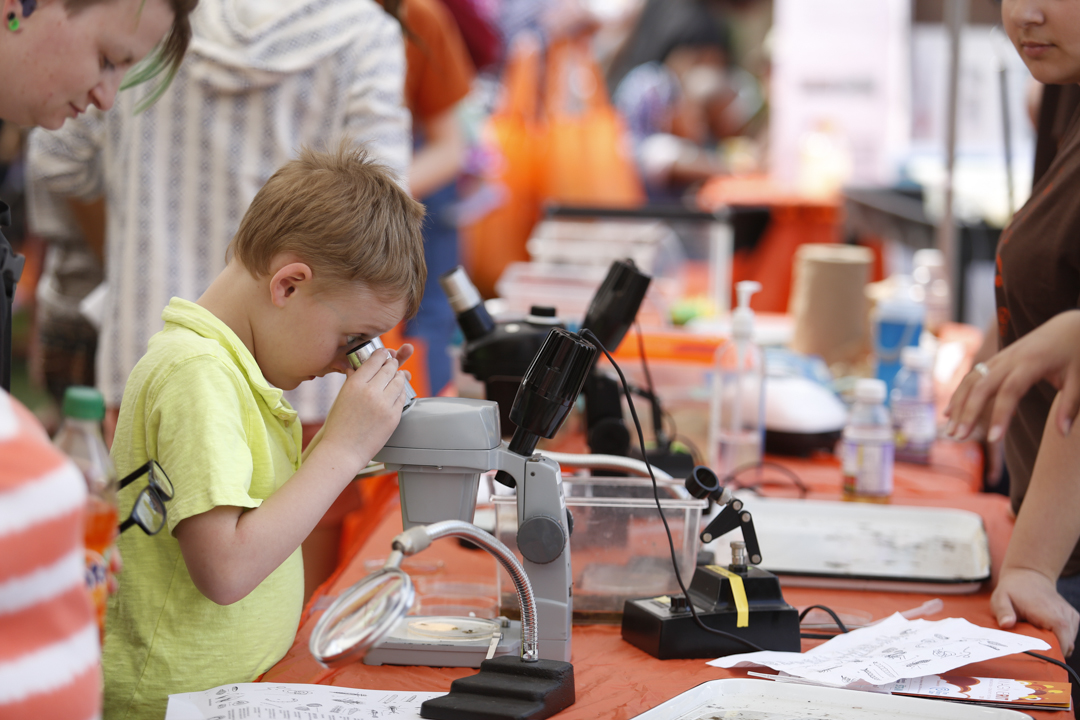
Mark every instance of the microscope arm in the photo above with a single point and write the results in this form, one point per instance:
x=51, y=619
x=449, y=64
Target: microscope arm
x=731, y=517
x=543, y=539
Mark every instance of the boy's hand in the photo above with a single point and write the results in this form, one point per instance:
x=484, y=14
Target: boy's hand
x=403, y=353
x=367, y=410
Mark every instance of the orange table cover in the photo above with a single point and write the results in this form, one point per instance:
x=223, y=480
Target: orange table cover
x=616, y=681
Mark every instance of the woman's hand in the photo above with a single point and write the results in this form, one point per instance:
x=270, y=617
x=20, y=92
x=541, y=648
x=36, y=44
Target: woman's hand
x=1051, y=352
x=1024, y=594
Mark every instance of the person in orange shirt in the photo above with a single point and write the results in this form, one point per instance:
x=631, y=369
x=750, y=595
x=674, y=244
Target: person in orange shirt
x=49, y=652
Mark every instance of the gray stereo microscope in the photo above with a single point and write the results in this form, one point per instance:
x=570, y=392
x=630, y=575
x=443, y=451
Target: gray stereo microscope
x=440, y=449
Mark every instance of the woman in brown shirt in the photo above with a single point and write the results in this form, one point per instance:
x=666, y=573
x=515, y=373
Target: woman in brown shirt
x=1038, y=278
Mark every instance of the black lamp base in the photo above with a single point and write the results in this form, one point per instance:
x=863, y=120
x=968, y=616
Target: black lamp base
x=507, y=688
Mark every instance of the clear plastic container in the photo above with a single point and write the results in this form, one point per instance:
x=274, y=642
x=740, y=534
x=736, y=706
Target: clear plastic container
x=912, y=404
x=80, y=439
x=867, y=446
x=618, y=549
x=455, y=599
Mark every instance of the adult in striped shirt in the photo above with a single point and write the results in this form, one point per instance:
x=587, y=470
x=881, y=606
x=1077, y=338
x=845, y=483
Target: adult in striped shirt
x=49, y=649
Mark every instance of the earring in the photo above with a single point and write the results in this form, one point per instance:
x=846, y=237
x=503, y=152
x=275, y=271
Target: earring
x=12, y=22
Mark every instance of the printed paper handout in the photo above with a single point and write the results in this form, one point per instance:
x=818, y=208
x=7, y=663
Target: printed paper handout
x=892, y=650
x=999, y=692
x=278, y=701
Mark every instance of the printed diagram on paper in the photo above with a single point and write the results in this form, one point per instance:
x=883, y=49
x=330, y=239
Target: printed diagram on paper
x=278, y=701
x=891, y=650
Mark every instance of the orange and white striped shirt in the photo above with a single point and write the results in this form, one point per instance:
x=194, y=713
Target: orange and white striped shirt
x=50, y=657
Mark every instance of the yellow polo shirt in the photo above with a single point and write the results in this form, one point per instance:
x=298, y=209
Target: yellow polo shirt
x=199, y=405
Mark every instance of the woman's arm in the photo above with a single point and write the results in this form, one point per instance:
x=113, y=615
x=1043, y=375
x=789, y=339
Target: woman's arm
x=1047, y=530
x=1051, y=352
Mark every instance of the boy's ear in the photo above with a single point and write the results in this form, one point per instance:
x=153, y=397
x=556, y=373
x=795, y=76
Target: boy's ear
x=287, y=280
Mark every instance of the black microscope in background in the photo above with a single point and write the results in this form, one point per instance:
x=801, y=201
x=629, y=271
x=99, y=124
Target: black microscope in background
x=498, y=354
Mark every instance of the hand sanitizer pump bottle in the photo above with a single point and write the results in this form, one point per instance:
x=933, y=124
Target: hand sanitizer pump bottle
x=737, y=410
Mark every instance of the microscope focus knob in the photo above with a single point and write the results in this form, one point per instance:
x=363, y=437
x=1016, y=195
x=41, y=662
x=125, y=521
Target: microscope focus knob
x=541, y=539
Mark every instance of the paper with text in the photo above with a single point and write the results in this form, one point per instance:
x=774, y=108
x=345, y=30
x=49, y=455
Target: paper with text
x=279, y=701
x=891, y=650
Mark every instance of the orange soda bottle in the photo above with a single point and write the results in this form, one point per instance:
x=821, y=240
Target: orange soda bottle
x=80, y=439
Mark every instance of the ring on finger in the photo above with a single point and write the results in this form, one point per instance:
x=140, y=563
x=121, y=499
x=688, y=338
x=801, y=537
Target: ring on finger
x=981, y=368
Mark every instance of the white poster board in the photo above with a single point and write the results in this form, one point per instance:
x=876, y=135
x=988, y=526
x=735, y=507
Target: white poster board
x=843, y=67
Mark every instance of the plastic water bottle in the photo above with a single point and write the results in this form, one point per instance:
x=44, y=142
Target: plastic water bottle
x=912, y=403
x=80, y=439
x=737, y=408
x=867, y=445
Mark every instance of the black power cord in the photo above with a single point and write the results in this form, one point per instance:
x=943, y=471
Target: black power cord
x=589, y=335
x=833, y=615
x=731, y=479
x=657, y=413
x=1072, y=673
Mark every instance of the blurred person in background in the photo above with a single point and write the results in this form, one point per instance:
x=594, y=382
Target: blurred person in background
x=437, y=78
x=66, y=338
x=678, y=105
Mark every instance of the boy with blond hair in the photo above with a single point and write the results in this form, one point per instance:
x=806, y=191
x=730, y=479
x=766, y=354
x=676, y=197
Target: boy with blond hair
x=328, y=254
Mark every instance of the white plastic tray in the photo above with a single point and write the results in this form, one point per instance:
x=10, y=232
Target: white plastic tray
x=894, y=548
x=739, y=699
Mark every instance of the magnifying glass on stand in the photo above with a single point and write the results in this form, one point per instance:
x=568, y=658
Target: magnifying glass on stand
x=520, y=688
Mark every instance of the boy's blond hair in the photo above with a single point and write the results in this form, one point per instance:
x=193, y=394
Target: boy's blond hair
x=344, y=215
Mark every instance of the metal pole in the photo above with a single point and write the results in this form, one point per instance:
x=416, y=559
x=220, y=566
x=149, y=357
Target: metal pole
x=1007, y=130
x=957, y=13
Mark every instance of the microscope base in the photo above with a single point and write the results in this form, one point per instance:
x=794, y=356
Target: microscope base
x=666, y=630
x=507, y=688
x=402, y=648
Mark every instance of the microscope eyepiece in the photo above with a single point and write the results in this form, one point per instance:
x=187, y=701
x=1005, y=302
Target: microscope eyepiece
x=358, y=355
x=550, y=388
x=615, y=304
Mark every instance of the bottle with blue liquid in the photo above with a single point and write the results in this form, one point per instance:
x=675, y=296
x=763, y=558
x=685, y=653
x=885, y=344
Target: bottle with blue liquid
x=897, y=323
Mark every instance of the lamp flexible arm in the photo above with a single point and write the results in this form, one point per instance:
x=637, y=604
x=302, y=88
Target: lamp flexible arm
x=416, y=539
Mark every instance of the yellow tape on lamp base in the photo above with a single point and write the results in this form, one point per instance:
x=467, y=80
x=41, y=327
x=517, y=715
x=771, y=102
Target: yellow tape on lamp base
x=738, y=591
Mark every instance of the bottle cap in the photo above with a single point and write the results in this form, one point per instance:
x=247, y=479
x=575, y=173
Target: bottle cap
x=84, y=403
x=913, y=356
x=870, y=390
